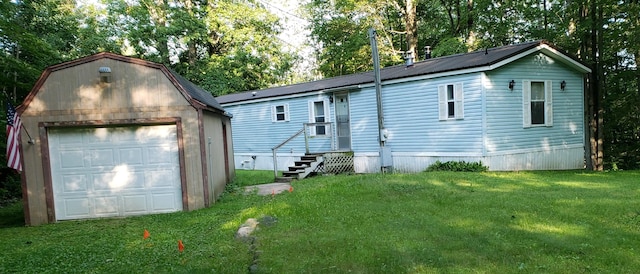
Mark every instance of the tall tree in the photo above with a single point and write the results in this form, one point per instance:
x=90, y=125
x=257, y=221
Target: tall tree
x=33, y=35
x=224, y=46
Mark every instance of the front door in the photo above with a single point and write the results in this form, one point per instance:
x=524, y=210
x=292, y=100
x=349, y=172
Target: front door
x=343, y=128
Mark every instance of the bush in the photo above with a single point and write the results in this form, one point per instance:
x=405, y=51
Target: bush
x=458, y=166
x=10, y=187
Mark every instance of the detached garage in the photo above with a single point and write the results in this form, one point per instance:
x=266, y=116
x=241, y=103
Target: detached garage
x=113, y=136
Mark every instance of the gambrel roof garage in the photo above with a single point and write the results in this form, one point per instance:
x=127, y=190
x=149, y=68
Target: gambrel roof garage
x=119, y=136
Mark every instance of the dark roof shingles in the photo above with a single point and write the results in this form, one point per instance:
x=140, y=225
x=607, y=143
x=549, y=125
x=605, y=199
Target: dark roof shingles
x=474, y=59
x=197, y=92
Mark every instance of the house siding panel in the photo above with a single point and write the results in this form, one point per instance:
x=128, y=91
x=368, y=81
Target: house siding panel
x=414, y=125
x=255, y=133
x=505, y=132
x=364, y=121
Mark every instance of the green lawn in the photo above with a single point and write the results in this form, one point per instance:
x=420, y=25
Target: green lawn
x=440, y=222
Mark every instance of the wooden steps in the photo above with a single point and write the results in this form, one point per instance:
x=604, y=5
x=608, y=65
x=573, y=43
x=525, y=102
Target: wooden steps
x=301, y=169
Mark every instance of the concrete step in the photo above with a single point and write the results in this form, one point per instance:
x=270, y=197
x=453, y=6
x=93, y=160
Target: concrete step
x=283, y=179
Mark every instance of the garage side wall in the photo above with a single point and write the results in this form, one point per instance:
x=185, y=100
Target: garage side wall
x=219, y=160
x=75, y=97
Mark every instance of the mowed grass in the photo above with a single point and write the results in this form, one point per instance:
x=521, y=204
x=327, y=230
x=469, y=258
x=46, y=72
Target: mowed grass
x=438, y=222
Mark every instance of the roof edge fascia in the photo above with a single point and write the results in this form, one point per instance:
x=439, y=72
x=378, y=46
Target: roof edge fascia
x=296, y=95
x=544, y=48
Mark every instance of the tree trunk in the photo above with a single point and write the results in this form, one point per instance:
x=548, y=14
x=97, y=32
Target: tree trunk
x=411, y=27
x=471, y=35
x=159, y=16
x=595, y=112
x=191, y=44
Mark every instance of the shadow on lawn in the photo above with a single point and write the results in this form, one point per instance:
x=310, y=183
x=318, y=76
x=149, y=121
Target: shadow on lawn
x=555, y=222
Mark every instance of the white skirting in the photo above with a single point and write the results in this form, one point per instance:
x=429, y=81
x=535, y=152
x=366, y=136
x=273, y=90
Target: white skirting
x=561, y=158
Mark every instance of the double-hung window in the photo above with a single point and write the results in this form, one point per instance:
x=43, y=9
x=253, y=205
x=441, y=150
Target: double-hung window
x=450, y=101
x=280, y=113
x=537, y=103
x=319, y=113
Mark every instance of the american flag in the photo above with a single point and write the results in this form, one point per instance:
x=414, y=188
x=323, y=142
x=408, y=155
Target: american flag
x=13, y=138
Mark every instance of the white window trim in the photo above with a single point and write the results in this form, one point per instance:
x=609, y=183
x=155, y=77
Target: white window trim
x=458, y=97
x=526, y=103
x=312, y=116
x=274, y=113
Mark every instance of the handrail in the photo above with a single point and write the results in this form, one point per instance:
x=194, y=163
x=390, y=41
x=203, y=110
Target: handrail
x=275, y=149
x=306, y=142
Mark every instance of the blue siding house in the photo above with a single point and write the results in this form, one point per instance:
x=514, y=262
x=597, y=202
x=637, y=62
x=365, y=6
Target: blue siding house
x=518, y=107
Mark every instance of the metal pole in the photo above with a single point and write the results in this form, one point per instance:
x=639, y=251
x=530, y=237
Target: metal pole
x=306, y=138
x=275, y=164
x=378, y=84
x=376, y=70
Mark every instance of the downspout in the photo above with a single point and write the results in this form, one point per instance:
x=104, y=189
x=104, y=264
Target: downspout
x=385, y=153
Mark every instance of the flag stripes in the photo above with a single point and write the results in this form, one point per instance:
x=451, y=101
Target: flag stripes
x=13, y=138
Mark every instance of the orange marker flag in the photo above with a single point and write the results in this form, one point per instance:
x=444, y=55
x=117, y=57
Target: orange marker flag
x=291, y=189
x=273, y=192
x=146, y=234
x=180, y=246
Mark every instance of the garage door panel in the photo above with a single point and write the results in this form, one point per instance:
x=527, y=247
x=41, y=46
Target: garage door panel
x=120, y=179
x=72, y=159
x=76, y=207
x=135, y=204
x=69, y=139
x=131, y=156
x=102, y=157
x=106, y=205
x=160, y=155
x=115, y=171
x=159, y=178
x=74, y=183
x=165, y=202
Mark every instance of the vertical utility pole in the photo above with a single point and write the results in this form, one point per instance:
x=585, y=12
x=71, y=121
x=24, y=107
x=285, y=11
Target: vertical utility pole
x=376, y=70
x=385, y=152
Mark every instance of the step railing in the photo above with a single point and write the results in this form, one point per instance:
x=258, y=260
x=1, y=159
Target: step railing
x=305, y=130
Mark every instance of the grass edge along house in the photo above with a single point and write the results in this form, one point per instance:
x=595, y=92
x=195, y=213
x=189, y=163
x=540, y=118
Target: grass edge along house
x=517, y=107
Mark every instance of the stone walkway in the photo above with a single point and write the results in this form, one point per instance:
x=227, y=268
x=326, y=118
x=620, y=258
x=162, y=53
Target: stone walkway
x=268, y=189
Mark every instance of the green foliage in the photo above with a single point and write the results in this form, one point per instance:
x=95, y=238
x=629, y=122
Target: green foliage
x=222, y=46
x=458, y=166
x=339, y=30
x=10, y=186
x=11, y=215
x=437, y=222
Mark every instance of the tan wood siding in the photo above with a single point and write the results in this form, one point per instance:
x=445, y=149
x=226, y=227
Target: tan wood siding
x=132, y=86
x=215, y=153
x=137, y=94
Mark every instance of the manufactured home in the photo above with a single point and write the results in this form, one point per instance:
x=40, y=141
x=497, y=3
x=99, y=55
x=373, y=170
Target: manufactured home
x=517, y=107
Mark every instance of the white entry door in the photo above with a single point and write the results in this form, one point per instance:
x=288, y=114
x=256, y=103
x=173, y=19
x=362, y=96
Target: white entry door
x=114, y=171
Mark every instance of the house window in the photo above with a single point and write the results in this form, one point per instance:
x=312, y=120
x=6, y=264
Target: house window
x=318, y=113
x=451, y=101
x=537, y=103
x=280, y=113
x=318, y=108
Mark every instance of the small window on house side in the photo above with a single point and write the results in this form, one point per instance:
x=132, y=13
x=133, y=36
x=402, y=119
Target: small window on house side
x=280, y=113
x=537, y=103
x=451, y=110
x=318, y=108
x=450, y=101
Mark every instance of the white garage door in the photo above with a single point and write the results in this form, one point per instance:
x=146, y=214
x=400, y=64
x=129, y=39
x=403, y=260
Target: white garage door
x=114, y=171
